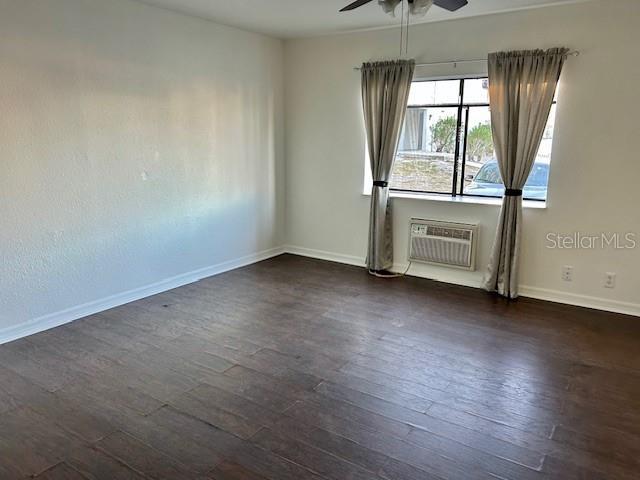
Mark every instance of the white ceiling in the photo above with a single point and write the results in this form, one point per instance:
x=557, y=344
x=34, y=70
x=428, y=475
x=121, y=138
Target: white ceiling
x=298, y=18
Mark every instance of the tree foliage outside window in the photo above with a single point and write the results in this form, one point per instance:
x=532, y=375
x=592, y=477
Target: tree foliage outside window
x=443, y=134
x=480, y=141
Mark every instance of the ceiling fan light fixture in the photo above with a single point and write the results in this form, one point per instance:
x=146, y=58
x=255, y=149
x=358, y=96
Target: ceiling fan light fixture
x=420, y=7
x=389, y=6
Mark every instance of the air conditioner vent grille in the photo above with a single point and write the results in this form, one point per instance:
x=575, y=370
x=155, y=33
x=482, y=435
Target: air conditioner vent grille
x=443, y=243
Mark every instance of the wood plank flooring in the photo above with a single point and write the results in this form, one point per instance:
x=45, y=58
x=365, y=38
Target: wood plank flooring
x=296, y=369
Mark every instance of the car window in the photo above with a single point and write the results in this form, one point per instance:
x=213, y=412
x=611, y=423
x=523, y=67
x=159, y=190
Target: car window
x=539, y=176
x=489, y=173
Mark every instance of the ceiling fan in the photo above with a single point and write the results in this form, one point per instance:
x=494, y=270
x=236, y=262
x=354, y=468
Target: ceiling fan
x=417, y=7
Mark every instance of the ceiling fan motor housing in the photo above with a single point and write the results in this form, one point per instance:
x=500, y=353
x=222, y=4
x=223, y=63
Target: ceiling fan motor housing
x=416, y=7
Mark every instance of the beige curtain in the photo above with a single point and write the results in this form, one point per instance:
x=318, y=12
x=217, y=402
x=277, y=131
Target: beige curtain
x=385, y=93
x=521, y=89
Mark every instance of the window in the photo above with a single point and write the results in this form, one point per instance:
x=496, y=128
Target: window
x=446, y=144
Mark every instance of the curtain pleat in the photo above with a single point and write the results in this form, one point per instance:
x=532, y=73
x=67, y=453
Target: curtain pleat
x=522, y=85
x=385, y=93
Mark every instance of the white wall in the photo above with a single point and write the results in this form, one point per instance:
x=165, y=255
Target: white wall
x=595, y=167
x=136, y=145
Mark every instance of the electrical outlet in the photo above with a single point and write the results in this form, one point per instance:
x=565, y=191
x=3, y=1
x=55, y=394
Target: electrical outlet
x=609, y=280
x=567, y=273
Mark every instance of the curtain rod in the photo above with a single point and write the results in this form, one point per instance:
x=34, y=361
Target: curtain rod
x=573, y=53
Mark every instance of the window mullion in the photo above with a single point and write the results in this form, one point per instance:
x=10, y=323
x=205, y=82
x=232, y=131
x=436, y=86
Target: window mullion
x=464, y=149
x=458, y=132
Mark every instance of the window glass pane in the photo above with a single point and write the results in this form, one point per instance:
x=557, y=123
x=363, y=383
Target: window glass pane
x=482, y=176
x=476, y=90
x=435, y=92
x=544, y=152
x=426, y=150
x=479, y=152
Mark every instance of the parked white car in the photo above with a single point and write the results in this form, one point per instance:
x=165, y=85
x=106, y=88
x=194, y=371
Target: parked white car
x=487, y=182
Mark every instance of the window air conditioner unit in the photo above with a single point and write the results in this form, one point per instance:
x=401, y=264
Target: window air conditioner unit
x=443, y=243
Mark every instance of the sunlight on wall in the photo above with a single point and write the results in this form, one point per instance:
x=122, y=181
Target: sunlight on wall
x=133, y=150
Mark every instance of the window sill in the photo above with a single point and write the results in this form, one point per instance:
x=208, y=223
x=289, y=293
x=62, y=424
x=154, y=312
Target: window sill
x=467, y=200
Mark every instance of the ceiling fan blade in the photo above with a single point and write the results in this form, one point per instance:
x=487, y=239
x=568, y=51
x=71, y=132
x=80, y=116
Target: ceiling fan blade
x=451, y=5
x=354, y=5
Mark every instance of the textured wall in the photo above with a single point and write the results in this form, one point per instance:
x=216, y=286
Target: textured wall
x=594, y=170
x=135, y=145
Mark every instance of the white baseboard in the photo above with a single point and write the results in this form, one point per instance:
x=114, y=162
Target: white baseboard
x=324, y=255
x=597, y=303
x=439, y=274
x=360, y=262
x=557, y=296
x=56, y=319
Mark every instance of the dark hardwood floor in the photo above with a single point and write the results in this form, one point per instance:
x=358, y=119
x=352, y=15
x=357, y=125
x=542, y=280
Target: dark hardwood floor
x=297, y=368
